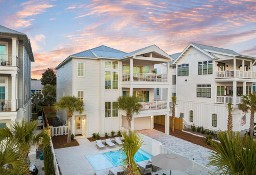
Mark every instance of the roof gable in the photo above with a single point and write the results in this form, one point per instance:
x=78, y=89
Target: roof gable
x=4, y=29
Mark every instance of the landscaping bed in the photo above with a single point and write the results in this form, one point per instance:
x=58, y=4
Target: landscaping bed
x=96, y=136
x=61, y=142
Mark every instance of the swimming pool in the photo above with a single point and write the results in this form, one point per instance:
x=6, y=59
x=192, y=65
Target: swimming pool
x=114, y=158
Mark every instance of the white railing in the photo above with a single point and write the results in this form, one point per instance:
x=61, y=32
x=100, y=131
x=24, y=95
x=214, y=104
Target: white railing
x=194, y=169
x=239, y=74
x=5, y=105
x=60, y=130
x=227, y=99
x=148, y=77
x=156, y=105
x=55, y=162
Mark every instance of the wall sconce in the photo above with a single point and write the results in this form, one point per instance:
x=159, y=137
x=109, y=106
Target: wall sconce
x=186, y=80
x=226, y=65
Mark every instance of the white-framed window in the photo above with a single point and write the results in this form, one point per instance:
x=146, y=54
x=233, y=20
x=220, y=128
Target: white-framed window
x=204, y=67
x=3, y=53
x=214, y=120
x=111, y=109
x=111, y=74
x=80, y=95
x=191, y=116
x=80, y=69
x=203, y=90
x=157, y=91
x=183, y=70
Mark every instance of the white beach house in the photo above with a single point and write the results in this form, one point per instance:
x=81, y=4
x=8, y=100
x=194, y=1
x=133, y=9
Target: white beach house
x=100, y=75
x=208, y=78
x=15, y=74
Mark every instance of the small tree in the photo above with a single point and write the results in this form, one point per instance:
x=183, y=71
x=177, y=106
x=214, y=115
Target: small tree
x=230, y=125
x=49, y=94
x=174, y=99
x=70, y=104
x=48, y=155
x=48, y=77
x=131, y=105
x=131, y=144
x=249, y=104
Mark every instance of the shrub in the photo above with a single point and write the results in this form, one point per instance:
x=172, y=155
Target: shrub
x=97, y=136
x=106, y=135
x=202, y=130
x=193, y=127
x=112, y=133
x=198, y=129
x=72, y=136
x=208, y=139
x=94, y=135
x=48, y=156
x=119, y=134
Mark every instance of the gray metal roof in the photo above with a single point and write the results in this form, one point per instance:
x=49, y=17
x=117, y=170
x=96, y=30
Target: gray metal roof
x=100, y=52
x=215, y=49
x=9, y=31
x=175, y=55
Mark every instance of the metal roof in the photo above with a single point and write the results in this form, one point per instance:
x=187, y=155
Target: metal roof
x=100, y=52
x=175, y=55
x=215, y=49
x=9, y=31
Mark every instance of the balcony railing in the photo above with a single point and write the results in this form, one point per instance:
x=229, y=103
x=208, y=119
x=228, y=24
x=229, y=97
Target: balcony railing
x=148, y=77
x=239, y=74
x=5, y=105
x=227, y=99
x=156, y=105
x=6, y=60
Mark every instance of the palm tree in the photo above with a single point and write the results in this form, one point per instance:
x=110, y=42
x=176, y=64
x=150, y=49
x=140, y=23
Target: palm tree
x=12, y=160
x=230, y=125
x=174, y=100
x=70, y=104
x=234, y=154
x=23, y=132
x=131, y=105
x=249, y=104
x=131, y=144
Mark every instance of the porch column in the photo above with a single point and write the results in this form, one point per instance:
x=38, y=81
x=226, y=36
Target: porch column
x=131, y=91
x=13, y=98
x=243, y=67
x=131, y=69
x=151, y=122
x=234, y=92
x=244, y=88
x=234, y=67
x=251, y=69
x=14, y=51
x=167, y=124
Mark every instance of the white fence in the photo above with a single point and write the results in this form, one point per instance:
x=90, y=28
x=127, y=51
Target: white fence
x=60, y=130
x=55, y=163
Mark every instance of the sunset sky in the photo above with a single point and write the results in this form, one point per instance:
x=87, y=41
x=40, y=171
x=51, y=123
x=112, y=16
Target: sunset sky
x=58, y=28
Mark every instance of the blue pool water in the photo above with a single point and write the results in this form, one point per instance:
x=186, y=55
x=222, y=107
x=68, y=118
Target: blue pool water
x=114, y=158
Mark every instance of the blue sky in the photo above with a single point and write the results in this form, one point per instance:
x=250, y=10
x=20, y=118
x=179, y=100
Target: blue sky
x=58, y=28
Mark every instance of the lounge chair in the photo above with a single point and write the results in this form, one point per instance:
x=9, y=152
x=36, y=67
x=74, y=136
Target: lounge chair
x=118, y=141
x=99, y=144
x=109, y=143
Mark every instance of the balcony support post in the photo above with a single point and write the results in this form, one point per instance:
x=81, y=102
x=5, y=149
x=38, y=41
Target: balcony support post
x=13, y=102
x=167, y=124
x=234, y=92
x=234, y=67
x=151, y=122
x=243, y=68
x=244, y=88
x=131, y=69
x=14, y=51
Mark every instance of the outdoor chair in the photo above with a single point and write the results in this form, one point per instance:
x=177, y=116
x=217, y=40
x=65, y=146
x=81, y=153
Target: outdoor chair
x=148, y=169
x=118, y=141
x=99, y=144
x=110, y=143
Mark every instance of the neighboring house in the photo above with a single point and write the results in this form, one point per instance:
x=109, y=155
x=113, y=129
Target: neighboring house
x=100, y=75
x=208, y=78
x=15, y=72
x=36, y=86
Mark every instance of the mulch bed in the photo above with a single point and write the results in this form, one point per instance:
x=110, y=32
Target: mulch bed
x=185, y=136
x=91, y=139
x=61, y=142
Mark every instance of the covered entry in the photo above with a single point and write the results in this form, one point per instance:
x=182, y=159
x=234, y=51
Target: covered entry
x=80, y=125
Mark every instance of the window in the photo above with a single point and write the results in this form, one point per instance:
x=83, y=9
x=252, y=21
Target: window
x=181, y=115
x=203, y=90
x=143, y=96
x=107, y=109
x=214, y=120
x=115, y=109
x=173, y=79
x=204, y=67
x=220, y=90
x=107, y=80
x=115, y=80
x=157, y=91
x=3, y=52
x=108, y=64
x=80, y=95
x=111, y=109
x=126, y=69
x=80, y=69
x=115, y=65
x=2, y=125
x=2, y=93
x=191, y=116
x=248, y=90
x=183, y=70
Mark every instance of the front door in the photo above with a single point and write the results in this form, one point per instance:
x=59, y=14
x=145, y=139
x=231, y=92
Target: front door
x=78, y=125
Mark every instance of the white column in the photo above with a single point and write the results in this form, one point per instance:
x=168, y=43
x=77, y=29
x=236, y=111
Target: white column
x=14, y=51
x=151, y=122
x=73, y=125
x=242, y=65
x=234, y=92
x=131, y=69
x=131, y=91
x=167, y=123
x=244, y=88
x=234, y=67
x=13, y=101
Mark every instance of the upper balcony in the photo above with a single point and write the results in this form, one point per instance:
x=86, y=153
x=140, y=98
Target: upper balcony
x=146, y=77
x=236, y=74
x=155, y=105
x=7, y=60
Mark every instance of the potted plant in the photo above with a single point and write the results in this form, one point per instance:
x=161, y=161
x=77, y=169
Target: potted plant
x=112, y=133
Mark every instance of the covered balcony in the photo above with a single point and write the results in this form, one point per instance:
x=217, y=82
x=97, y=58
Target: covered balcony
x=7, y=60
